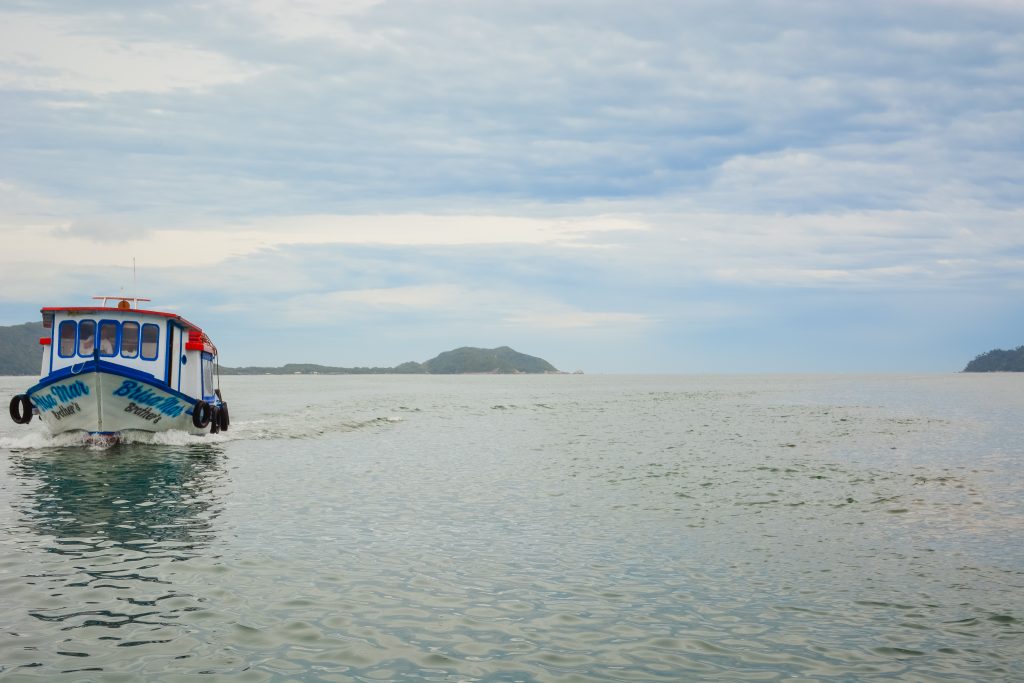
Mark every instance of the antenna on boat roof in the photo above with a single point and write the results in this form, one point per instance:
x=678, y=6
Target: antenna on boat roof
x=135, y=285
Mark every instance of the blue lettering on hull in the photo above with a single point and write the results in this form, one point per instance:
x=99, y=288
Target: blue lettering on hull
x=60, y=395
x=140, y=395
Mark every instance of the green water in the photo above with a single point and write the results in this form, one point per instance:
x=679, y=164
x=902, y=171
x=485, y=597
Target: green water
x=542, y=528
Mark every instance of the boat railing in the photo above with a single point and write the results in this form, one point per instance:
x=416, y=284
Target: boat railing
x=124, y=302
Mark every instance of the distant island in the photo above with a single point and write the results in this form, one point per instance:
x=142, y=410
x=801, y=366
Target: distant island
x=464, y=360
x=20, y=354
x=998, y=360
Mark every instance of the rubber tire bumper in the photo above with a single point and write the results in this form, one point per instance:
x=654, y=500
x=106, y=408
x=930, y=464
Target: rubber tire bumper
x=21, y=409
x=201, y=414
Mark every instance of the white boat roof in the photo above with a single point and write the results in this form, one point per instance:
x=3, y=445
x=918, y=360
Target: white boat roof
x=128, y=309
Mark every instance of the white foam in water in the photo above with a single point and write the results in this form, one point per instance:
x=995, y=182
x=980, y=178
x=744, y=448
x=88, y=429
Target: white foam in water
x=42, y=439
x=172, y=437
x=176, y=437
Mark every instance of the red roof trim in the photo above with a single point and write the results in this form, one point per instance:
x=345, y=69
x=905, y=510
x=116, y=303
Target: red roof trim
x=114, y=309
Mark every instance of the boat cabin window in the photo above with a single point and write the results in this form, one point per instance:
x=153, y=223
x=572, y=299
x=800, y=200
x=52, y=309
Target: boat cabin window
x=66, y=338
x=130, y=340
x=86, y=337
x=150, y=341
x=114, y=337
x=108, y=338
x=207, y=374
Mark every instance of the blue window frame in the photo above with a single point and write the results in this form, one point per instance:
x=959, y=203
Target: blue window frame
x=67, y=338
x=150, y=341
x=108, y=336
x=86, y=338
x=130, y=339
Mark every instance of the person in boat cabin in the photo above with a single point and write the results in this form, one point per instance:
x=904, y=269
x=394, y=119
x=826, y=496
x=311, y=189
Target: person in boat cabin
x=107, y=337
x=86, y=346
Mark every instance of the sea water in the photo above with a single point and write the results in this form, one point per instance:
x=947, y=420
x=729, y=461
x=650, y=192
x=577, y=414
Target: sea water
x=529, y=528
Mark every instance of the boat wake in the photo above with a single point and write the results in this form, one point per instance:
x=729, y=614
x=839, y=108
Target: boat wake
x=282, y=427
x=41, y=439
x=261, y=429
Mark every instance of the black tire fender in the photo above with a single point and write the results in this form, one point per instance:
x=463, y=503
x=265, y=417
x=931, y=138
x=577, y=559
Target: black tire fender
x=21, y=409
x=214, y=419
x=201, y=414
x=224, y=419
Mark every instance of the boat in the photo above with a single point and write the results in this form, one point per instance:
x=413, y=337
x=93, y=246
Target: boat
x=110, y=370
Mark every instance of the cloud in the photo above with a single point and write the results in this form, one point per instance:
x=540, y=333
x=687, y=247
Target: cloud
x=575, y=169
x=583, y=320
x=436, y=105
x=304, y=19
x=114, y=240
x=433, y=297
x=867, y=249
x=54, y=54
x=103, y=231
x=452, y=303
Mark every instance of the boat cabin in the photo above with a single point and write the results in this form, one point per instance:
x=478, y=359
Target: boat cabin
x=159, y=346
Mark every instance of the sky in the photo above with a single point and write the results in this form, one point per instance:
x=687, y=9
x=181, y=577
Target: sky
x=658, y=186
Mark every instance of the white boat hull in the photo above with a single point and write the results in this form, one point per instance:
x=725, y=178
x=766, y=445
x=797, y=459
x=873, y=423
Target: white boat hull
x=104, y=401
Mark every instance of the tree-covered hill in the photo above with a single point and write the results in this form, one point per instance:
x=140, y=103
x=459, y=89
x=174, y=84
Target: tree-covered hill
x=998, y=360
x=499, y=360
x=20, y=353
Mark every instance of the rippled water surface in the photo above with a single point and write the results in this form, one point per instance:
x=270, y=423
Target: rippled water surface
x=530, y=528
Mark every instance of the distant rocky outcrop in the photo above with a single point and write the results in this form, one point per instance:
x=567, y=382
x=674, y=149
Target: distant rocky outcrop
x=20, y=353
x=998, y=360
